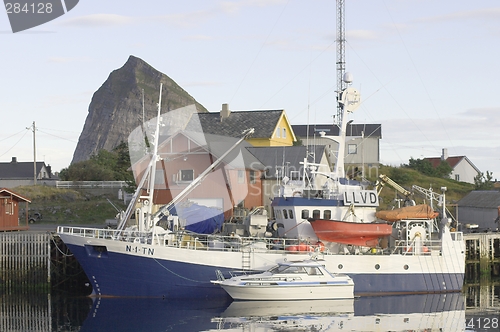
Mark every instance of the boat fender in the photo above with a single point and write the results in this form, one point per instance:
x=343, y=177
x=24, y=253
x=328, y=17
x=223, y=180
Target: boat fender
x=320, y=246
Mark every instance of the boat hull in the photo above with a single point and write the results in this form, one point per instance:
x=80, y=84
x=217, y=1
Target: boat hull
x=288, y=292
x=139, y=270
x=359, y=234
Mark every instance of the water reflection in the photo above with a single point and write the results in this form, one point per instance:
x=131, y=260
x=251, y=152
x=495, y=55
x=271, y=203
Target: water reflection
x=395, y=313
x=471, y=310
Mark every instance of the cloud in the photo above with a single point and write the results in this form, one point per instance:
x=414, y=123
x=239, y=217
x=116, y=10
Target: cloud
x=480, y=14
x=473, y=126
x=204, y=83
x=233, y=7
x=61, y=59
x=361, y=35
x=198, y=38
x=100, y=20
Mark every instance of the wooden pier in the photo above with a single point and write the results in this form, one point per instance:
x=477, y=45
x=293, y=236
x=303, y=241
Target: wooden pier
x=482, y=256
x=24, y=260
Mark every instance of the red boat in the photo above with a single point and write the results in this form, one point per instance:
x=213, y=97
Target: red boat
x=354, y=233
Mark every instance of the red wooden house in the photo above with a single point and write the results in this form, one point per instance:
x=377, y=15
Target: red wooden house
x=185, y=155
x=9, y=211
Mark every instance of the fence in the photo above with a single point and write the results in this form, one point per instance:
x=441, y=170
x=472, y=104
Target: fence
x=91, y=184
x=24, y=261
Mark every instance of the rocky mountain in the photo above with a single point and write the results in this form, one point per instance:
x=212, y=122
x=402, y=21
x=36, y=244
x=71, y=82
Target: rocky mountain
x=116, y=107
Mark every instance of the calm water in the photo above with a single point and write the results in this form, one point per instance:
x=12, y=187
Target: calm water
x=476, y=309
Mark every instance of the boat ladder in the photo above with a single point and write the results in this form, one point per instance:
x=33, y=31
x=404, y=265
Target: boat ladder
x=245, y=259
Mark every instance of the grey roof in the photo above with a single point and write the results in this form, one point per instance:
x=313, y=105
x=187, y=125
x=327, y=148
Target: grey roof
x=19, y=170
x=481, y=199
x=369, y=130
x=263, y=122
x=289, y=156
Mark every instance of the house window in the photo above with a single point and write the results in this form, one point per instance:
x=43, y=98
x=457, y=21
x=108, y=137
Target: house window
x=352, y=149
x=457, y=177
x=186, y=175
x=253, y=177
x=241, y=176
x=9, y=207
x=278, y=132
x=284, y=132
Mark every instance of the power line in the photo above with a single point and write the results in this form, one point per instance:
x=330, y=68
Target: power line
x=15, y=143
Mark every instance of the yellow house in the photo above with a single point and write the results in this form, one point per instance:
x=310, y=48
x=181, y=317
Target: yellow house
x=272, y=127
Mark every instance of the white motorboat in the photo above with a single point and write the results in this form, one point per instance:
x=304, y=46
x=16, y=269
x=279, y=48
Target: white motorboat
x=300, y=280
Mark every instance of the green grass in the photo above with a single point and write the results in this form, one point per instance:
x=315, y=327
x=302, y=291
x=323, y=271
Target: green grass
x=68, y=206
x=407, y=177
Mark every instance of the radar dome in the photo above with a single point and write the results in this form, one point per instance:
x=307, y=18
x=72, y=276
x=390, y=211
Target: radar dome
x=348, y=77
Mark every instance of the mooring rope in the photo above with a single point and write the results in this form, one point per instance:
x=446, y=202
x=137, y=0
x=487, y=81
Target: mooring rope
x=57, y=247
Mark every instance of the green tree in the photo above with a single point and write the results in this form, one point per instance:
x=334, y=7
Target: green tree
x=424, y=166
x=443, y=170
x=483, y=182
x=103, y=166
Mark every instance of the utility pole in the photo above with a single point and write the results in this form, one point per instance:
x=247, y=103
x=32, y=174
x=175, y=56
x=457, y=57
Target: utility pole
x=341, y=85
x=33, y=128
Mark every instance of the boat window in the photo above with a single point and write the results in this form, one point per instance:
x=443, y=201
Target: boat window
x=290, y=213
x=285, y=214
x=314, y=271
x=294, y=269
x=305, y=214
x=316, y=214
x=327, y=215
x=287, y=269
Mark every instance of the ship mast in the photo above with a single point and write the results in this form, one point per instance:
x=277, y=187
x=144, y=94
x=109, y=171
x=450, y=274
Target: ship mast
x=341, y=85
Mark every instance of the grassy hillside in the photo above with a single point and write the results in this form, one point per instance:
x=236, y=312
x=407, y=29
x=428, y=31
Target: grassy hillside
x=406, y=178
x=68, y=206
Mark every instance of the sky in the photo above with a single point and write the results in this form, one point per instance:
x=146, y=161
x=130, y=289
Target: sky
x=427, y=70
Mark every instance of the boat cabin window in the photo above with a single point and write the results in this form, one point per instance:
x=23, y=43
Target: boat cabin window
x=314, y=271
x=316, y=214
x=285, y=214
x=305, y=214
x=287, y=269
x=290, y=214
x=327, y=215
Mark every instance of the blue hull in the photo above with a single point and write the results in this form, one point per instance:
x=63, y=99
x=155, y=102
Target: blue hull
x=128, y=275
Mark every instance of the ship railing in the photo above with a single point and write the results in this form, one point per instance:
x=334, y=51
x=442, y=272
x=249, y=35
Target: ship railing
x=104, y=233
x=457, y=236
x=217, y=242
x=425, y=247
x=195, y=241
